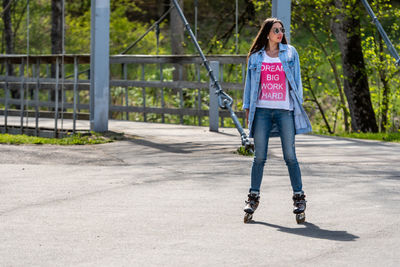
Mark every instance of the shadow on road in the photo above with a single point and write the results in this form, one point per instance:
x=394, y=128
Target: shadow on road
x=312, y=230
x=180, y=148
x=184, y=147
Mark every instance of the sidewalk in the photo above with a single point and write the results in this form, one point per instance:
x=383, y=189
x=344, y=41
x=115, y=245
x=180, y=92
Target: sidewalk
x=173, y=195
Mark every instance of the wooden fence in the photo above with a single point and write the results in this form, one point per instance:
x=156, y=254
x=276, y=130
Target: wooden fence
x=141, y=88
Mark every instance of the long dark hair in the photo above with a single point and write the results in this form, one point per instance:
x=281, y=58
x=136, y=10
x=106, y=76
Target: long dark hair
x=261, y=39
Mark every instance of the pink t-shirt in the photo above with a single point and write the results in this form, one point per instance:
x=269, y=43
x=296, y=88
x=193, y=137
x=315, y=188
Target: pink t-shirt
x=274, y=89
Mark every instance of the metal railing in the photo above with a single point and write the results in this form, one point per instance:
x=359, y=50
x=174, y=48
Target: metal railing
x=27, y=89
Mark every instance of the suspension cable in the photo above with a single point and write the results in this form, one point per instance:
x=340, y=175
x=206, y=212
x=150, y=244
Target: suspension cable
x=148, y=30
x=378, y=25
x=224, y=100
x=140, y=38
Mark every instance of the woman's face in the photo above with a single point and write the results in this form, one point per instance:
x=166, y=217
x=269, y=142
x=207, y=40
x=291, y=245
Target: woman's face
x=276, y=33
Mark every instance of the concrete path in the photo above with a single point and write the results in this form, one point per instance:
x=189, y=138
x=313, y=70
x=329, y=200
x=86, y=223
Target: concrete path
x=173, y=196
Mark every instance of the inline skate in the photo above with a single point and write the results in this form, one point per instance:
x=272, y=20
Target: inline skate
x=251, y=206
x=299, y=207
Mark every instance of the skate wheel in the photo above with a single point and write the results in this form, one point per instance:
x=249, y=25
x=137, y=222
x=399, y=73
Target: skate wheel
x=300, y=218
x=248, y=217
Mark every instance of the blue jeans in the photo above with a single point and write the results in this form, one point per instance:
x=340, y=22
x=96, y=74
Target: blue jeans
x=263, y=121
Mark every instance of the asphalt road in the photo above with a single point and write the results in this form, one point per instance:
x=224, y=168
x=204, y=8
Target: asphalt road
x=172, y=195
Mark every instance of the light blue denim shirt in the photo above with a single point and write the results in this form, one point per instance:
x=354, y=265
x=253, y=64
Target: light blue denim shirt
x=291, y=65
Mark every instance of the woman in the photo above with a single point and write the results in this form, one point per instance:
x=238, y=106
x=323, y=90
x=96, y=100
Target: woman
x=273, y=97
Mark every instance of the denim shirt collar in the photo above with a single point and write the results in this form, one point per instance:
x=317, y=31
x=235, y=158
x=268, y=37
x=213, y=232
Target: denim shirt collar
x=282, y=47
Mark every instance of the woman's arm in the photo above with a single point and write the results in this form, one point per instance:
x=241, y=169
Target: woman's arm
x=297, y=75
x=247, y=88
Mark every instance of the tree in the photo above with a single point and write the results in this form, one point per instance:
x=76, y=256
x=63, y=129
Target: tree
x=56, y=29
x=346, y=28
x=8, y=32
x=307, y=15
x=380, y=65
x=56, y=38
x=177, y=38
x=9, y=39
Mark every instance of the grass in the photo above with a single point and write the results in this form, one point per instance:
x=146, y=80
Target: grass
x=388, y=137
x=97, y=138
x=242, y=151
x=73, y=139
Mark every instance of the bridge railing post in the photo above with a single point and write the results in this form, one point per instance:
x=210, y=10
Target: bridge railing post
x=281, y=9
x=213, y=108
x=99, y=65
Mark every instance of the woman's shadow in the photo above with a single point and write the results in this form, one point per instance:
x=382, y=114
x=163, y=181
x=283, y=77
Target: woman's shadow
x=312, y=230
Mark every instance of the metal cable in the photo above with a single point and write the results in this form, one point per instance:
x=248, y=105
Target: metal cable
x=224, y=100
x=148, y=30
x=378, y=25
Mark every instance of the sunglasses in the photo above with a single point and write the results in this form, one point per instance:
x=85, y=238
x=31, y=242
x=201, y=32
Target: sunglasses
x=277, y=30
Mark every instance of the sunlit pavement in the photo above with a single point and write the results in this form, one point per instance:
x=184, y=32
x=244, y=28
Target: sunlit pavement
x=172, y=195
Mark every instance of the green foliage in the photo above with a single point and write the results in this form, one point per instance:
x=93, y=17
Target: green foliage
x=320, y=62
x=388, y=137
x=123, y=32
x=310, y=34
x=318, y=50
x=383, y=74
x=76, y=139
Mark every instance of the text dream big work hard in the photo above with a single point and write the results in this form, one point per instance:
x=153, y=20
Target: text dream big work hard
x=273, y=82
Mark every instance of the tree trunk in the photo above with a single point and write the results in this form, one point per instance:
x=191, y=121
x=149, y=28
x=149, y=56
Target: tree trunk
x=56, y=39
x=9, y=40
x=177, y=33
x=346, y=29
x=56, y=30
x=386, y=88
x=8, y=32
x=162, y=7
